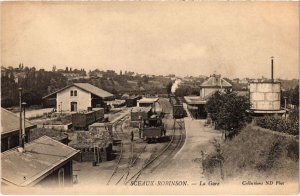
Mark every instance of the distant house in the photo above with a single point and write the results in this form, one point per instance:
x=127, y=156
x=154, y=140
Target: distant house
x=10, y=126
x=43, y=162
x=78, y=97
x=213, y=84
x=244, y=81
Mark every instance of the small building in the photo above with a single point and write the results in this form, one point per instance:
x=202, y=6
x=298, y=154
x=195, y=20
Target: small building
x=10, y=126
x=148, y=102
x=43, y=162
x=79, y=97
x=212, y=84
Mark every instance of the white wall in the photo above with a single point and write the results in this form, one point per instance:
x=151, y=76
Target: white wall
x=207, y=91
x=64, y=97
x=265, y=96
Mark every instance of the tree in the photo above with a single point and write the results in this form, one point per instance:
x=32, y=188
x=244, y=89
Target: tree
x=228, y=111
x=295, y=96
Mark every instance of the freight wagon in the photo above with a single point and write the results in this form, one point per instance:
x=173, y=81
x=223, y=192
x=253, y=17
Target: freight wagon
x=177, y=106
x=81, y=120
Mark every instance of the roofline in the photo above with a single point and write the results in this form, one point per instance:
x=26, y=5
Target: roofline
x=58, y=91
x=30, y=127
x=74, y=84
x=267, y=82
x=217, y=86
x=32, y=180
x=44, y=174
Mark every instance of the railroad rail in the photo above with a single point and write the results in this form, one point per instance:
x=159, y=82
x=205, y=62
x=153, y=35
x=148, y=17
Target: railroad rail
x=120, y=173
x=166, y=151
x=121, y=158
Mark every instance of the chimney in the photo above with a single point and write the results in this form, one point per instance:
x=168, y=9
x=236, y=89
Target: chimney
x=272, y=70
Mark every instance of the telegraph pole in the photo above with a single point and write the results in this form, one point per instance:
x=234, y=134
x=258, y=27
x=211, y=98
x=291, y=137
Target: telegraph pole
x=20, y=129
x=285, y=107
x=24, y=127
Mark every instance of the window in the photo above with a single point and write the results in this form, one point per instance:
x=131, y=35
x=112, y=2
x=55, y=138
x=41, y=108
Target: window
x=75, y=93
x=71, y=93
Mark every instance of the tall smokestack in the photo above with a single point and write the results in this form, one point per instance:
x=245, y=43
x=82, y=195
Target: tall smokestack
x=272, y=69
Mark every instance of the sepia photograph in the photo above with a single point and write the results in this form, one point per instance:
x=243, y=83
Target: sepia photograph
x=149, y=97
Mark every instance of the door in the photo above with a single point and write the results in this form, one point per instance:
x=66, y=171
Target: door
x=61, y=177
x=73, y=106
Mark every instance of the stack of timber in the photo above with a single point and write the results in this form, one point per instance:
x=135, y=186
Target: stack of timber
x=96, y=144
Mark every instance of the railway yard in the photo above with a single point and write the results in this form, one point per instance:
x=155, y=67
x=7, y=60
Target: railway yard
x=169, y=159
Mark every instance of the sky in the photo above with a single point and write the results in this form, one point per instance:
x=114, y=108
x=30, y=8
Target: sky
x=235, y=39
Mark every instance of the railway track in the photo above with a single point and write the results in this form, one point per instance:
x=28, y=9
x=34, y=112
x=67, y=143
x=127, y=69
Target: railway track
x=126, y=159
x=161, y=157
x=129, y=167
x=124, y=155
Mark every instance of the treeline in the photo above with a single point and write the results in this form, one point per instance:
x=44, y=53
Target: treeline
x=35, y=85
x=38, y=83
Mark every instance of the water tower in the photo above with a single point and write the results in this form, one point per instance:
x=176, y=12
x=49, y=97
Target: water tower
x=265, y=96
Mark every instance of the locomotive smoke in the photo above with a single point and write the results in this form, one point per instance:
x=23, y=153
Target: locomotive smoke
x=175, y=85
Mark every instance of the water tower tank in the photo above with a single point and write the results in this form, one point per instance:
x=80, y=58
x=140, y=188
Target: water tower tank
x=265, y=96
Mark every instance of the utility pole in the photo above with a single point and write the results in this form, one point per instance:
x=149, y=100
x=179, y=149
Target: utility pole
x=272, y=69
x=20, y=128
x=60, y=107
x=24, y=123
x=285, y=107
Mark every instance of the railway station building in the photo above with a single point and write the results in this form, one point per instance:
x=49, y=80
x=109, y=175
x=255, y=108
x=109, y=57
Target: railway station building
x=78, y=97
x=212, y=84
x=43, y=162
x=196, y=104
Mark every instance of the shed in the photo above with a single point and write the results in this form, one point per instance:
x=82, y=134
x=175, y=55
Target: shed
x=10, y=126
x=148, y=102
x=44, y=162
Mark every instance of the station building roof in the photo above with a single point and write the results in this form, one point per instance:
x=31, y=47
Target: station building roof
x=40, y=158
x=148, y=100
x=10, y=122
x=194, y=100
x=86, y=87
x=215, y=81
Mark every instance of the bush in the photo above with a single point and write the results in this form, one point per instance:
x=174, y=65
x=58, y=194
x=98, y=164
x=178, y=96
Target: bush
x=279, y=124
x=254, y=154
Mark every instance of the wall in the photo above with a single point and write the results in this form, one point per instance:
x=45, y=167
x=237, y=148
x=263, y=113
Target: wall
x=11, y=139
x=265, y=96
x=83, y=99
x=52, y=179
x=208, y=91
